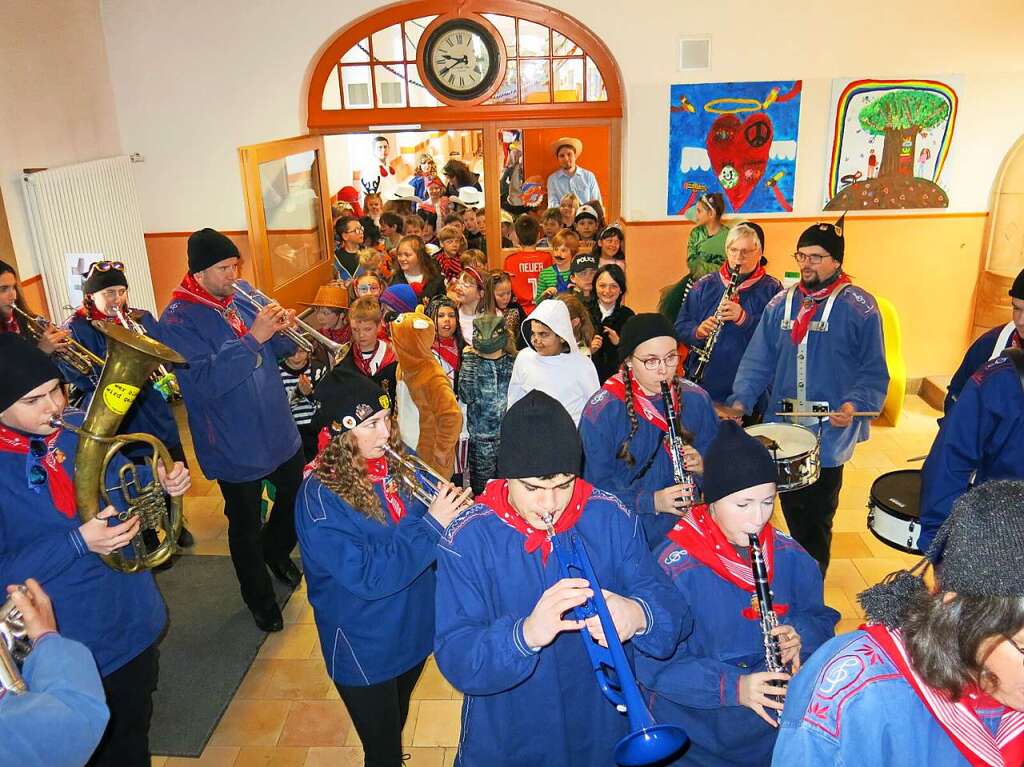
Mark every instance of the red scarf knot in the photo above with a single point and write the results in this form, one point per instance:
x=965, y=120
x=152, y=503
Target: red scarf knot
x=447, y=350
x=191, y=291
x=62, y=489
x=496, y=497
x=809, y=304
x=378, y=472
x=10, y=323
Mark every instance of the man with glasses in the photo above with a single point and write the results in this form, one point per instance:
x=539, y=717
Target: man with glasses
x=624, y=428
x=734, y=321
x=817, y=349
x=346, y=254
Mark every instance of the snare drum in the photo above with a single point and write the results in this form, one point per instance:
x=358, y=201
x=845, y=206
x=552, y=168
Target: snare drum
x=894, y=511
x=796, y=453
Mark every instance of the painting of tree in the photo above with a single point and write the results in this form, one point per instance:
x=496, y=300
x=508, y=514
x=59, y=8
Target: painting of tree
x=900, y=116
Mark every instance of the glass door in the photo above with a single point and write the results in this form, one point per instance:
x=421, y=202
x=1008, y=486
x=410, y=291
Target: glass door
x=289, y=215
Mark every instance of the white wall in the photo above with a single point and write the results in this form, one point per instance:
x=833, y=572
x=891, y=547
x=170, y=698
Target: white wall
x=192, y=85
x=56, y=101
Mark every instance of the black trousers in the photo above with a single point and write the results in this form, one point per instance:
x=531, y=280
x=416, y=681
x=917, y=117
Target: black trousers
x=378, y=713
x=809, y=513
x=130, y=700
x=252, y=543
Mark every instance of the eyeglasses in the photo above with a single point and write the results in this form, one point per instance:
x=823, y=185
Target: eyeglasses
x=653, y=363
x=366, y=288
x=354, y=230
x=35, y=470
x=1015, y=646
x=812, y=258
x=751, y=251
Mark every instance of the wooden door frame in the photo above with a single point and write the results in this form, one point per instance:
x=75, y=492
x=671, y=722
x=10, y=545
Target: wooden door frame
x=250, y=158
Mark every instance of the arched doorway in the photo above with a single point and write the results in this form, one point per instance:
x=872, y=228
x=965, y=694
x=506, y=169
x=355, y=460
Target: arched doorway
x=554, y=77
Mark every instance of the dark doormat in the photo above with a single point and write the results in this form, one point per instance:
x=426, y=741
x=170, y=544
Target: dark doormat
x=210, y=643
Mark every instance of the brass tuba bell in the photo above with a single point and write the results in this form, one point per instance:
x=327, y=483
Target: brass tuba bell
x=131, y=360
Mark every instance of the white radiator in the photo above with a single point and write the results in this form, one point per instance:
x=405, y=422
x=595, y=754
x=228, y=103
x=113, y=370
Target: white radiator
x=87, y=208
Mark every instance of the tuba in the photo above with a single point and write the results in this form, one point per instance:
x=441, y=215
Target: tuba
x=131, y=360
x=14, y=646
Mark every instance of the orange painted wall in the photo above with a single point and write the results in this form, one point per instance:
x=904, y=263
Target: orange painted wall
x=168, y=261
x=538, y=159
x=926, y=265
x=35, y=295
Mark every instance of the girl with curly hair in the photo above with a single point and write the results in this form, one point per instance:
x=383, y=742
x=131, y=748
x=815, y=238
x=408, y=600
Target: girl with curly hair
x=368, y=547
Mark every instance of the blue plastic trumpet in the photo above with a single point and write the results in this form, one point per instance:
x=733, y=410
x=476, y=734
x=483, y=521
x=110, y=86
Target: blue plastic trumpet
x=647, y=741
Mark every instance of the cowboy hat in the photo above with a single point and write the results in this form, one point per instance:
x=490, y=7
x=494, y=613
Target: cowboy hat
x=333, y=296
x=469, y=197
x=404, y=192
x=575, y=143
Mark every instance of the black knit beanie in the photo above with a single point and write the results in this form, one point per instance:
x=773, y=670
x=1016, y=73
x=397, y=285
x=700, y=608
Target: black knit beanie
x=538, y=439
x=640, y=328
x=208, y=247
x=347, y=398
x=102, y=278
x=977, y=551
x=1017, y=290
x=828, y=236
x=25, y=368
x=735, y=461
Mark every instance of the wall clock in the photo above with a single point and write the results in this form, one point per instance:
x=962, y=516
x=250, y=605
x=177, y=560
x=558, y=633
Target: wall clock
x=460, y=59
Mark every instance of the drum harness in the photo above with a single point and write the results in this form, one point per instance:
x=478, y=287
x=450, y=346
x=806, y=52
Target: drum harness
x=800, y=404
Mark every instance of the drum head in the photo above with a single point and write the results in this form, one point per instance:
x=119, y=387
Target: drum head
x=792, y=439
x=899, y=493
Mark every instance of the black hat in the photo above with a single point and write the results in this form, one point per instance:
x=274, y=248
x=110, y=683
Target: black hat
x=103, y=275
x=208, y=247
x=25, y=368
x=977, y=549
x=583, y=262
x=735, y=461
x=1017, y=290
x=640, y=328
x=347, y=398
x=828, y=236
x=538, y=439
x=758, y=231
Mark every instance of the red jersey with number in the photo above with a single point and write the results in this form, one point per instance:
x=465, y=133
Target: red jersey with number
x=525, y=266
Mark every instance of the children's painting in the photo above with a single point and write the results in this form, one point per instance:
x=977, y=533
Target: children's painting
x=890, y=141
x=735, y=138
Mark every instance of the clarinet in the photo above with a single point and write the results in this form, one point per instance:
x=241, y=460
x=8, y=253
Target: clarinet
x=675, y=441
x=703, y=354
x=769, y=620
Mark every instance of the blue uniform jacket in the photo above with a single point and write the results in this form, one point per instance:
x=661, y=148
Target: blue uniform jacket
x=115, y=615
x=846, y=363
x=982, y=437
x=60, y=720
x=851, y=707
x=242, y=427
x=524, y=708
x=701, y=303
x=371, y=584
x=977, y=355
x=603, y=427
x=150, y=413
x=698, y=687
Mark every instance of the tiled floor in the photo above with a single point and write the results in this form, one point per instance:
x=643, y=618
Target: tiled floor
x=287, y=713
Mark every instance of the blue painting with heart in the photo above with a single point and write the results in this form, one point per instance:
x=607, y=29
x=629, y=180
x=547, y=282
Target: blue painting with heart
x=739, y=139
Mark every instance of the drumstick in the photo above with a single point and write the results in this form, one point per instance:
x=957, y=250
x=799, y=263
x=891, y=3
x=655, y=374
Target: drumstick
x=856, y=414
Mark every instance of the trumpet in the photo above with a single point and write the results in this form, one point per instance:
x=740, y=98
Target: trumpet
x=647, y=741
x=425, y=484
x=163, y=380
x=74, y=355
x=703, y=354
x=14, y=646
x=304, y=335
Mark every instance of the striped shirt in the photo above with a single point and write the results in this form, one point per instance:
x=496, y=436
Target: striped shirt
x=303, y=408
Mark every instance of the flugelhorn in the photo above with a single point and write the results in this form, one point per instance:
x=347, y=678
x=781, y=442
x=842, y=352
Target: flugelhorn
x=131, y=359
x=647, y=741
x=163, y=379
x=426, y=481
x=14, y=647
x=74, y=354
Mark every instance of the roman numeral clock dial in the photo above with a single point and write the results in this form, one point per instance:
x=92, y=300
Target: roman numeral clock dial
x=460, y=60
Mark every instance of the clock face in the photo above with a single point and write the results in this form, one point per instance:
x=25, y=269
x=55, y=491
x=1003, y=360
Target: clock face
x=461, y=59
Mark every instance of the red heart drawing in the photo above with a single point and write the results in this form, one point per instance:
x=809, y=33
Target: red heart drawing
x=739, y=153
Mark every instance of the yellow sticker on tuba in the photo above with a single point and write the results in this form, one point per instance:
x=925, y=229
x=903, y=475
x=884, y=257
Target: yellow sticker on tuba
x=119, y=397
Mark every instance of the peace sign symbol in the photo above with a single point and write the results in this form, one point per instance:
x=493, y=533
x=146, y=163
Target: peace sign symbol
x=758, y=133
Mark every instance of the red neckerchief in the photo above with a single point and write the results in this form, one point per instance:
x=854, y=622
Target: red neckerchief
x=495, y=496
x=747, y=284
x=191, y=291
x=447, y=350
x=809, y=303
x=377, y=469
x=93, y=314
x=959, y=719
x=1016, y=342
x=642, y=405
x=62, y=490
x=451, y=267
x=386, y=171
x=339, y=335
x=10, y=324
x=363, y=363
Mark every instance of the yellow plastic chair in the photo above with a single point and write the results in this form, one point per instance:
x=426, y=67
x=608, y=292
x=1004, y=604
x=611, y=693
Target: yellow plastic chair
x=893, y=406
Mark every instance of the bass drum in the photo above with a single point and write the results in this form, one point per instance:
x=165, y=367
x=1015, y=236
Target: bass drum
x=794, y=449
x=894, y=509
